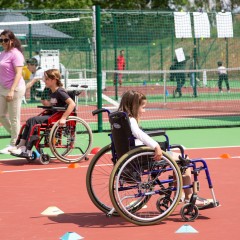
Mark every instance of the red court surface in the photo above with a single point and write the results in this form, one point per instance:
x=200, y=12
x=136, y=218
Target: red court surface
x=28, y=189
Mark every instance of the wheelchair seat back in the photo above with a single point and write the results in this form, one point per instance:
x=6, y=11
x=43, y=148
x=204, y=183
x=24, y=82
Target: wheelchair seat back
x=73, y=94
x=122, y=136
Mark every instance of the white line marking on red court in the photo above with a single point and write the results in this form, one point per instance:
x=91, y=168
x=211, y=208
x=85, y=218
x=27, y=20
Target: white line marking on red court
x=85, y=166
x=39, y=169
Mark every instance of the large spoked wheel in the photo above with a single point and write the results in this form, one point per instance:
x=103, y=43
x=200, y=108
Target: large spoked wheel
x=72, y=142
x=137, y=183
x=97, y=179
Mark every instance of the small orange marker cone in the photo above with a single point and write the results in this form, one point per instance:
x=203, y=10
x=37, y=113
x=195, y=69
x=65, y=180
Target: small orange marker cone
x=1, y=172
x=225, y=155
x=95, y=150
x=73, y=165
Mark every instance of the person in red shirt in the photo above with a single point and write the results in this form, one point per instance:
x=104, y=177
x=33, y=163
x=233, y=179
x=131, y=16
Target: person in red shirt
x=120, y=66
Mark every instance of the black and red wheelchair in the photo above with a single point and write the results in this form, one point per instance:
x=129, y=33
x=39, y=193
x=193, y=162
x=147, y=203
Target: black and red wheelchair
x=69, y=143
x=123, y=179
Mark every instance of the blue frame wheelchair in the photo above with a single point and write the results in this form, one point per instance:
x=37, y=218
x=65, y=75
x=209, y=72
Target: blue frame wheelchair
x=70, y=143
x=123, y=179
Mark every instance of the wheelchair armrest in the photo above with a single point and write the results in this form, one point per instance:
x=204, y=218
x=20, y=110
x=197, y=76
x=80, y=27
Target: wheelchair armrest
x=156, y=133
x=45, y=107
x=59, y=108
x=180, y=147
x=53, y=108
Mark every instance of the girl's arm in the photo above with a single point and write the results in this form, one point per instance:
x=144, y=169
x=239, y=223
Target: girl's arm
x=71, y=105
x=145, y=139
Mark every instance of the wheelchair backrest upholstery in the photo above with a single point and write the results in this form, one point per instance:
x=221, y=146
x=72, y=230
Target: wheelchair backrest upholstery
x=121, y=132
x=73, y=94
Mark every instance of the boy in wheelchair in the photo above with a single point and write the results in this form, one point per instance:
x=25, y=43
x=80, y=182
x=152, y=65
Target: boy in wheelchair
x=58, y=98
x=133, y=103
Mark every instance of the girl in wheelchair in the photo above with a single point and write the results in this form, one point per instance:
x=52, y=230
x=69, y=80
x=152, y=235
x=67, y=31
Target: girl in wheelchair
x=58, y=98
x=134, y=103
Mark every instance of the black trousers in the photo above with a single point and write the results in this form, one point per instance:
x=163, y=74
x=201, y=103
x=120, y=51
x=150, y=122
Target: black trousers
x=180, y=79
x=29, y=125
x=223, y=77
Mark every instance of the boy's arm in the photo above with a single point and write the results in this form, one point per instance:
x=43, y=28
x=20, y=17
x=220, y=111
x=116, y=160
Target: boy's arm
x=34, y=80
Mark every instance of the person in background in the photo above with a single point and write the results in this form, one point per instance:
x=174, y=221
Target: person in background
x=120, y=66
x=35, y=78
x=222, y=76
x=180, y=77
x=12, y=85
x=58, y=98
x=193, y=77
x=134, y=103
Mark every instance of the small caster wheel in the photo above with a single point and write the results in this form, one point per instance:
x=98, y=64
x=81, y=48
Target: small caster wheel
x=189, y=212
x=32, y=158
x=44, y=159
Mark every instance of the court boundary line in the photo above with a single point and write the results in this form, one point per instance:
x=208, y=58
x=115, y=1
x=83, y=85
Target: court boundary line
x=14, y=159
x=85, y=166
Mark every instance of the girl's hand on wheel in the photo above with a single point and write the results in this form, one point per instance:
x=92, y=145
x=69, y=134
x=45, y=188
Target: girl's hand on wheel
x=62, y=122
x=158, y=153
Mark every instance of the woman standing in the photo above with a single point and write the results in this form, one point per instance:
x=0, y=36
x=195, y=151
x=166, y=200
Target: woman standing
x=12, y=85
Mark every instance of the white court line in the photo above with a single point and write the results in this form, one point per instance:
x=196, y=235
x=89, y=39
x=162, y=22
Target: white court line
x=214, y=147
x=86, y=166
x=38, y=169
x=15, y=159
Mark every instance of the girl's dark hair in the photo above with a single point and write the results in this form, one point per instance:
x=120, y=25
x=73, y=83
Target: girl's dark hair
x=16, y=42
x=54, y=74
x=130, y=103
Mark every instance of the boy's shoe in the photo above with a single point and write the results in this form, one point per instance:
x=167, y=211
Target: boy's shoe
x=7, y=149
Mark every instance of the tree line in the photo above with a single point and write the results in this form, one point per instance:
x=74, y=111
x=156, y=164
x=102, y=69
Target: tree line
x=163, y=5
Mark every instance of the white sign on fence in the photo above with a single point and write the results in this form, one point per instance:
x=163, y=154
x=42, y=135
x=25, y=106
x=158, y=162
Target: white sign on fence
x=201, y=25
x=224, y=25
x=182, y=24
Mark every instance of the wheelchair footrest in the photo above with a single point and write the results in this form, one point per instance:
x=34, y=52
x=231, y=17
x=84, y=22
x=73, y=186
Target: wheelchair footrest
x=211, y=204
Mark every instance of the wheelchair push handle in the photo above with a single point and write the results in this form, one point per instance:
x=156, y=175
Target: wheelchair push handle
x=77, y=85
x=100, y=110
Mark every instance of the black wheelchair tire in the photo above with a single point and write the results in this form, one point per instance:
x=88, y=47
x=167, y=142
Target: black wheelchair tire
x=100, y=197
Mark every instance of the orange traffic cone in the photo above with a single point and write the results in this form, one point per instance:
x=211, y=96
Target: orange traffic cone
x=95, y=150
x=73, y=165
x=225, y=155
